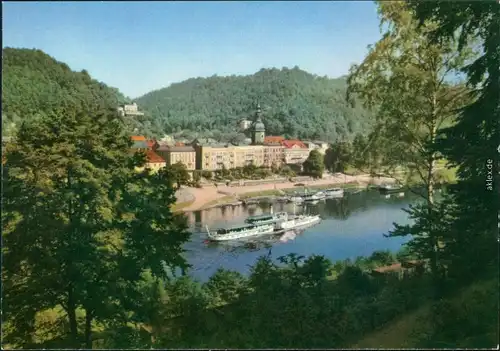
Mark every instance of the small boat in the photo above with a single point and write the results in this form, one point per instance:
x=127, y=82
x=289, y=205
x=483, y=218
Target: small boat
x=334, y=192
x=269, y=218
x=296, y=199
x=390, y=188
x=299, y=221
x=240, y=232
x=314, y=196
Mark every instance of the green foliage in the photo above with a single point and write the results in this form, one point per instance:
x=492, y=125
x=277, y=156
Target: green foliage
x=314, y=165
x=407, y=79
x=338, y=156
x=206, y=174
x=295, y=103
x=178, y=173
x=469, y=236
x=80, y=224
x=33, y=83
x=225, y=287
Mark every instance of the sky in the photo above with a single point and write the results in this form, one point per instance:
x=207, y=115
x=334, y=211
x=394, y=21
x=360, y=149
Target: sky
x=143, y=46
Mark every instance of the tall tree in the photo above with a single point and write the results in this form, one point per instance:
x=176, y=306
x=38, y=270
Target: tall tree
x=472, y=142
x=407, y=80
x=337, y=157
x=314, y=165
x=79, y=225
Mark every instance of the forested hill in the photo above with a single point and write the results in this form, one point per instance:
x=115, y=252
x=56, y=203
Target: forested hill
x=295, y=104
x=35, y=83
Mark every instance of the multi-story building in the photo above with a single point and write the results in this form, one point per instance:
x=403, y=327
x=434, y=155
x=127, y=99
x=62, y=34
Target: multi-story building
x=274, y=154
x=129, y=110
x=174, y=154
x=296, y=152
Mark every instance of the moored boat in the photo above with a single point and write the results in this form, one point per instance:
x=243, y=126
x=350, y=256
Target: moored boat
x=390, y=188
x=299, y=221
x=296, y=199
x=269, y=218
x=334, y=192
x=240, y=232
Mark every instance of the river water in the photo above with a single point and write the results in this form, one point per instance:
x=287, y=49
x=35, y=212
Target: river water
x=352, y=226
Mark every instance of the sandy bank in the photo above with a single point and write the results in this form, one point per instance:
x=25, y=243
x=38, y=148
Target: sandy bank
x=205, y=195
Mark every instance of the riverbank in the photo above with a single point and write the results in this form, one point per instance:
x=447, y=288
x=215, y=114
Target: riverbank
x=210, y=196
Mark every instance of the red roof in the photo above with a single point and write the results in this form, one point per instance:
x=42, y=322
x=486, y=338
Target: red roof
x=151, y=143
x=291, y=143
x=138, y=138
x=273, y=139
x=153, y=157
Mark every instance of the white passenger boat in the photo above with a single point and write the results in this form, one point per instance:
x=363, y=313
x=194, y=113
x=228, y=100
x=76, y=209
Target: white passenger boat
x=240, y=232
x=334, y=192
x=299, y=221
x=296, y=199
x=314, y=196
x=269, y=218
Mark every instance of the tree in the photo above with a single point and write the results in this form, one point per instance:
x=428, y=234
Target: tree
x=79, y=224
x=337, y=157
x=407, y=80
x=314, y=165
x=471, y=240
x=225, y=286
x=179, y=174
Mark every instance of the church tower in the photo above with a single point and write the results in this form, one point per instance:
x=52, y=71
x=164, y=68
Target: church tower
x=259, y=130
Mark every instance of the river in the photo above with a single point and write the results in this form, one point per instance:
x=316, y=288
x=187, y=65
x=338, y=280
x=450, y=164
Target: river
x=352, y=226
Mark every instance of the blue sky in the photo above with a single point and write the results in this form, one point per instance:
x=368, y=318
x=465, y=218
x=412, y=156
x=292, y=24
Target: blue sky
x=143, y=46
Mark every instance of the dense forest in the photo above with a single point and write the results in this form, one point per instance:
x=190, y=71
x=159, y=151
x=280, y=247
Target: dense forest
x=36, y=84
x=295, y=103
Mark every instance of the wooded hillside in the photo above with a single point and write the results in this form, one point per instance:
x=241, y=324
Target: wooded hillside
x=35, y=83
x=295, y=103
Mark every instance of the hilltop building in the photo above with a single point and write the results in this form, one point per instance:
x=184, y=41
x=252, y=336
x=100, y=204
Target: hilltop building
x=130, y=110
x=245, y=124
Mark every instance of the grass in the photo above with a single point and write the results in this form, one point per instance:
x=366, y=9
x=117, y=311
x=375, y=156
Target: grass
x=219, y=201
x=251, y=194
x=409, y=330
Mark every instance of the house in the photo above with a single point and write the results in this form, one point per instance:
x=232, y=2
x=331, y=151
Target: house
x=154, y=162
x=174, y=154
x=129, y=110
x=295, y=151
x=139, y=143
x=273, y=140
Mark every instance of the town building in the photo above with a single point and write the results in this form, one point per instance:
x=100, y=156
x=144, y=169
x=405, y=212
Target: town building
x=154, y=162
x=139, y=143
x=174, y=154
x=274, y=155
x=130, y=110
x=295, y=152
x=245, y=124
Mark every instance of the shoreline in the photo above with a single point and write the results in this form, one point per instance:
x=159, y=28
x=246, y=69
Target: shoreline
x=211, y=196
